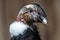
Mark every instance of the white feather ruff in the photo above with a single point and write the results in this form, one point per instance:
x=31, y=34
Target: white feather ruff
x=17, y=28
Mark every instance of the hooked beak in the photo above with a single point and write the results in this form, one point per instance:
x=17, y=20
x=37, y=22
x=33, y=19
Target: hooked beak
x=44, y=21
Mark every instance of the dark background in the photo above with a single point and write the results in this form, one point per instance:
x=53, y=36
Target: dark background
x=9, y=10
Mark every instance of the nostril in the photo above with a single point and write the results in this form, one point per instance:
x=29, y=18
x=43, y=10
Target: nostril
x=31, y=10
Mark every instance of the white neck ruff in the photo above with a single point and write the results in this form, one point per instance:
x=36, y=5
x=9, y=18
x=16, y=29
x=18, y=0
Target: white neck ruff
x=17, y=28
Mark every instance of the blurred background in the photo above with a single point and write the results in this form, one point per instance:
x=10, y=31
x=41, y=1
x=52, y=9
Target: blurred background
x=10, y=8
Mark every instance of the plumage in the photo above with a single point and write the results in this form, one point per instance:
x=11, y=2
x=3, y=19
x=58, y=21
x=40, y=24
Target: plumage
x=17, y=28
x=27, y=33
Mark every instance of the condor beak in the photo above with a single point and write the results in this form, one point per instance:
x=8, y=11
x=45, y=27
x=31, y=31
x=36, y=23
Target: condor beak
x=44, y=21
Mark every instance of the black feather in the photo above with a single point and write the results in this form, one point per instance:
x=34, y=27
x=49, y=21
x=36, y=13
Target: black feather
x=29, y=34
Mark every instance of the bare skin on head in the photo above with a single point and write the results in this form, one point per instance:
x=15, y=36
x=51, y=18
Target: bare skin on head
x=27, y=18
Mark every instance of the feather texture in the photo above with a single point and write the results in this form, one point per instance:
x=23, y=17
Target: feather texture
x=17, y=28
